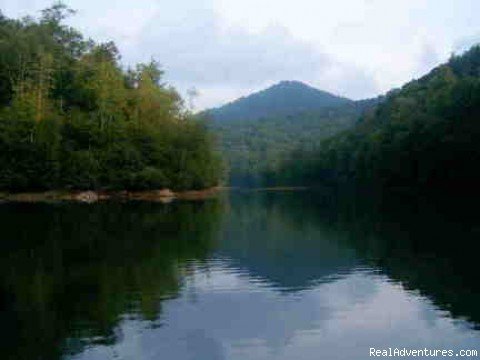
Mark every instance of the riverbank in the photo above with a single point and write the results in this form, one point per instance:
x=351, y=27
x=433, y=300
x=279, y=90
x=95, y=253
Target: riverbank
x=161, y=195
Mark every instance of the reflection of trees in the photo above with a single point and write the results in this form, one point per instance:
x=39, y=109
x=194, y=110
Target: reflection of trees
x=427, y=244
x=429, y=247
x=68, y=272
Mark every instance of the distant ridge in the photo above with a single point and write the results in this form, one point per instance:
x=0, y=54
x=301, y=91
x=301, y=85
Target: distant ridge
x=282, y=99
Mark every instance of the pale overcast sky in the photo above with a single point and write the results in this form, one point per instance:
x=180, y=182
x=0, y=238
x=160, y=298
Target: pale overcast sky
x=229, y=48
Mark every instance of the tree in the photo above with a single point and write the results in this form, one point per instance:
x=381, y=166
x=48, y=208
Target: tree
x=71, y=117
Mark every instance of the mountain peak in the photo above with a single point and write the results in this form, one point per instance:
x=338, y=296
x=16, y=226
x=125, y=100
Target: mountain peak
x=291, y=83
x=287, y=97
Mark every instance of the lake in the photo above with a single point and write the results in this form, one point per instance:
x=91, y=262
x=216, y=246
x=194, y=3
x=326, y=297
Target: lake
x=247, y=275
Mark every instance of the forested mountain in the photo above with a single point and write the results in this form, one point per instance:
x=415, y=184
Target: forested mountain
x=255, y=149
x=72, y=118
x=283, y=99
x=426, y=134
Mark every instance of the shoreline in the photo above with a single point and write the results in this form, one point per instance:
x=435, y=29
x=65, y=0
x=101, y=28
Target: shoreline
x=164, y=196
x=93, y=196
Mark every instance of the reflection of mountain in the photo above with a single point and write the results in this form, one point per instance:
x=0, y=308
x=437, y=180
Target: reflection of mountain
x=259, y=236
x=68, y=273
x=294, y=240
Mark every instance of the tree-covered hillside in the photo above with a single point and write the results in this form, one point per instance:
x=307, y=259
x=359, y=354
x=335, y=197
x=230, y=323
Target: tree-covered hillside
x=255, y=149
x=426, y=134
x=283, y=99
x=71, y=117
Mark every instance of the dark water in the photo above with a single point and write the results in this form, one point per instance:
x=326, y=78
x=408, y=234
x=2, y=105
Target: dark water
x=258, y=275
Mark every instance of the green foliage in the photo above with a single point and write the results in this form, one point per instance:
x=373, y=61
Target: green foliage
x=71, y=117
x=256, y=150
x=426, y=134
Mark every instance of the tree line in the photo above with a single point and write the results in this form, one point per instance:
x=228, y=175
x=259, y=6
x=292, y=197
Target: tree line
x=71, y=117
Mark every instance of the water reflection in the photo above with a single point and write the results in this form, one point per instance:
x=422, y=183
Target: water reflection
x=69, y=273
x=428, y=245
x=250, y=276
x=275, y=237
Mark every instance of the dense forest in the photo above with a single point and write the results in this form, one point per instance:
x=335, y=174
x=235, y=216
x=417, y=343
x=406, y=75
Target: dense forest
x=71, y=116
x=257, y=149
x=424, y=135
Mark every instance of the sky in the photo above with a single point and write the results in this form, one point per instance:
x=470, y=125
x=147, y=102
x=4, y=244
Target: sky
x=229, y=48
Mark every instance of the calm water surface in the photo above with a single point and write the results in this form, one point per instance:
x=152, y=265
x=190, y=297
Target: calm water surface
x=254, y=275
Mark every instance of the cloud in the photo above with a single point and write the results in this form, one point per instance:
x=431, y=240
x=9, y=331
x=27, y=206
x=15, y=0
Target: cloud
x=196, y=49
